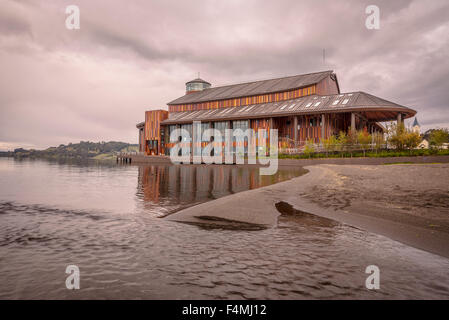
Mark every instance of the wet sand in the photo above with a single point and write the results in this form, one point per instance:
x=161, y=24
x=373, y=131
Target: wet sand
x=408, y=203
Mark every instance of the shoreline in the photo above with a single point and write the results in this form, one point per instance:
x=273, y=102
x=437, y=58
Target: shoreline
x=143, y=159
x=369, y=197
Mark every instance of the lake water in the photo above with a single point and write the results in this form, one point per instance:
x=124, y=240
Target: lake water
x=107, y=220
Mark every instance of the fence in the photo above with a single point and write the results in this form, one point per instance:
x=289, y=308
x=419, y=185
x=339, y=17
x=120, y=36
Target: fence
x=289, y=146
x=131, y=153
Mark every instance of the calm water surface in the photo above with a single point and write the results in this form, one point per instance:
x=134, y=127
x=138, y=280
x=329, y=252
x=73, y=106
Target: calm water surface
x=106, y=219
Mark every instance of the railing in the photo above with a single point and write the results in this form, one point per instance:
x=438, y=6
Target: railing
x=132, y=153
x=289, y=146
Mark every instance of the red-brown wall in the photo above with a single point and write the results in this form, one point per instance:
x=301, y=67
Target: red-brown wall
x=152, y=130
x=327, y=86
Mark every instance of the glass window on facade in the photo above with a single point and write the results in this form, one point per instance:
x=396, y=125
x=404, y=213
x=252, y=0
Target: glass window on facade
x=162, y=138
x=194, y=87
x=171, y=128
x=243, y=125
x=240, y=124
x=197, y=143
x=187, y=127
x=197, y=86
x=221, y=126
x=204, y=127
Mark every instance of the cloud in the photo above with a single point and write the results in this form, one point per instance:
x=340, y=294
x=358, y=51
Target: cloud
x=59, y=86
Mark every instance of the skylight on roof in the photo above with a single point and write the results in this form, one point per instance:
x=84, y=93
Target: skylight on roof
x=283, y=107
x=309, y=104
x=317, y=104
x=345, y=101
x=291, y=107
x=335, y=102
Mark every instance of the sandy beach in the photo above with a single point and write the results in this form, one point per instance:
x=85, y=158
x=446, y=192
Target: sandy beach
x=408, y=203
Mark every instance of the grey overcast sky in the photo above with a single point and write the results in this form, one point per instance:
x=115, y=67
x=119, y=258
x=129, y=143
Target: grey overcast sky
x=60, y=86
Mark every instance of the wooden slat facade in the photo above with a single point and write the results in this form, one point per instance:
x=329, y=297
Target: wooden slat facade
x=152, y=132
x=298, y=126
x=244, y=101
x=327, y=86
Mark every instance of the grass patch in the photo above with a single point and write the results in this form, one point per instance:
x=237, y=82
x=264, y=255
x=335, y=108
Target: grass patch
x=104, y=156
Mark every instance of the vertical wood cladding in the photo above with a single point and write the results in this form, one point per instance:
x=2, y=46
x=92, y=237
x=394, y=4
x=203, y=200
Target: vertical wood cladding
x=263, y=98
x=327, y=86
x=152, y=134
x=153, y=121
x=285, y=127
x=257, y=124
x=310, y=126
x=301, y=127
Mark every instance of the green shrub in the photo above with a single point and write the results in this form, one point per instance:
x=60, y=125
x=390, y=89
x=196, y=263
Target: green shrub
x=438, y=137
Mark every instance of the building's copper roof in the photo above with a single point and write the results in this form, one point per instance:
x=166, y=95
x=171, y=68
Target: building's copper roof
x=373, y=107
x=253, y=88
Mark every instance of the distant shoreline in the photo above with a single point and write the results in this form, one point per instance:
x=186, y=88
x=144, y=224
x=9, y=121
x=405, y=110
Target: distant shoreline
x=84, y=150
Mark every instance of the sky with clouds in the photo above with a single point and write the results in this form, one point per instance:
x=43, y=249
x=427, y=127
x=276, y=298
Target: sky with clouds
x=60, y=86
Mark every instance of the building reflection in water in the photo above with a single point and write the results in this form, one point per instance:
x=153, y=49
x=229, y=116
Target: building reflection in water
x=165, y=189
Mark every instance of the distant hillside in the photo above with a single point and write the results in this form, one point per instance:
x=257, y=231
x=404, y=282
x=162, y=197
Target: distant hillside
x=6, y=153
x=83, y=150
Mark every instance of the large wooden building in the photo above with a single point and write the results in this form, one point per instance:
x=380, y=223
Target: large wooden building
x=301, y=107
